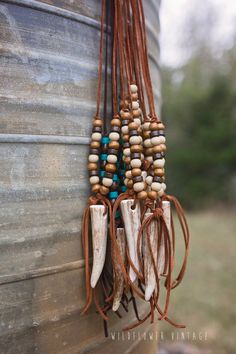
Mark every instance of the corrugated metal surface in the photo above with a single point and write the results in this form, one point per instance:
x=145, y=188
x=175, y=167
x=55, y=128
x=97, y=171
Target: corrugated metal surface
x=48, y=73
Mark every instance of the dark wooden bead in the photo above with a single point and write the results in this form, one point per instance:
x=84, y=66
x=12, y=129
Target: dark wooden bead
x=104, y=148
x=157, y=179
x=97, y=129
x=114, y=186
x=135, y=155
x=94, y=151
x=108, y=175
x=154, y=133
x=161, y=133
x=133, y=132
x=110, y=167
x=93, y=173
x=157, y=156
x=126, y=145
x=125, y=122
x=137, y=179
x=113, y=152
x=103, y=164
x=115, y=128
x=148, y=152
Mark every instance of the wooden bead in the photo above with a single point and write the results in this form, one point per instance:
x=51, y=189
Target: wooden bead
x=136, y=172
x=155, y=186
x=124, y=104
x=92, y=166
x=134, y=96
x=125, y=137
x=135, y=105
x=114, y=145
x=135, y=163
x=126, y=152
x=133, y=126
x=130, y=183
x=114, y=136
x=107, y=182
x=137, y=113
x=126, y=115
x=97, y=123
x=152, y=195
x=162, y=139
x=94, y=180
x=125, y=129
x=135, y=140
x=110, y=167
x=149, y=180
x=160, y=126
x=112, y=159
x=138, y=122
x=157, y=149
x=159, y=172
x=138, y=187
x=156, y=140
x=115, y=121
x=95, y=188
x=136, y=148
x=146, y=126
x=93, y=158
x=159, y=163
x=153, y=126
x=163, y=147
x=147, y=143
x=104, y=190
x=126, y=160
x=148, y=151
x=95, y=144
x=133, y=88
x=96, y=136
x=146, y=134
x=142, y=195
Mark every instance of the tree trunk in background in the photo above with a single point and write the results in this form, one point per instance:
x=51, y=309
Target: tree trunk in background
x=48, y=80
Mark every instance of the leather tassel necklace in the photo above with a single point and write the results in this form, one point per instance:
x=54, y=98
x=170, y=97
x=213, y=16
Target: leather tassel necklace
x=130, y=214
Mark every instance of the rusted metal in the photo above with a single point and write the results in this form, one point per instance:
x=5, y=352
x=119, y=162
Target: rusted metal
x=48, y=75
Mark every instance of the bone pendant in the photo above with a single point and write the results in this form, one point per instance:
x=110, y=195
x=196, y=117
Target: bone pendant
x=99, y=240
x=120, y=238
x=167, y=217
x=131, y=219
x=150, y=279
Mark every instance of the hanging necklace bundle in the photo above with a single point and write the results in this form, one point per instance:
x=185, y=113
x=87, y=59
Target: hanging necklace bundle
x=130, y=214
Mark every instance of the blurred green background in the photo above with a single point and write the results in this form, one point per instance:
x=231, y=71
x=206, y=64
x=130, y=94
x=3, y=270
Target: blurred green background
x=199, y=110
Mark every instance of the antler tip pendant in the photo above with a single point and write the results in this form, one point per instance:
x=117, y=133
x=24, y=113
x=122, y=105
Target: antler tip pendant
x=129, y=216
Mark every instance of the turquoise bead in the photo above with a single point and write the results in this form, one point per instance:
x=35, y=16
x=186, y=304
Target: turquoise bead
x=105, y=140
x=103, y=157
x=113, y=195
x=123, y=189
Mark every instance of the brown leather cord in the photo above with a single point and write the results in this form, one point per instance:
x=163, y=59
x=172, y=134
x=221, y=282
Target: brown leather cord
x=99, y=88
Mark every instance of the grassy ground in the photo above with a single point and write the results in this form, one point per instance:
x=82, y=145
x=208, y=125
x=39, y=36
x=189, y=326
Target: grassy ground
x=206, y=300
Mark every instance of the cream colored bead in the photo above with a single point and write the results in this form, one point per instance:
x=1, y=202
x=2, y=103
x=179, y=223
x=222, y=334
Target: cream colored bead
x=114, y=136
x=162, y=139
x=149, y=158
x=96, y=136
x=161, y=192
x=146, y=126
x=112, y=158
x=156, y=186
x=128, y=174
x=126, y=180
x=135, y=163
x=125, y=129
x=107, y=181
x=135, y=140
x=135, y=105
x=156, y=140
x=147, y=143
x=144, y=175
x=93, y=158
x=163, y=186
x=138, y=187
x=137, y=121
x=133, y=88
x=159, y=163
x=149, y=180
x=94, y=179
x=126, y=151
